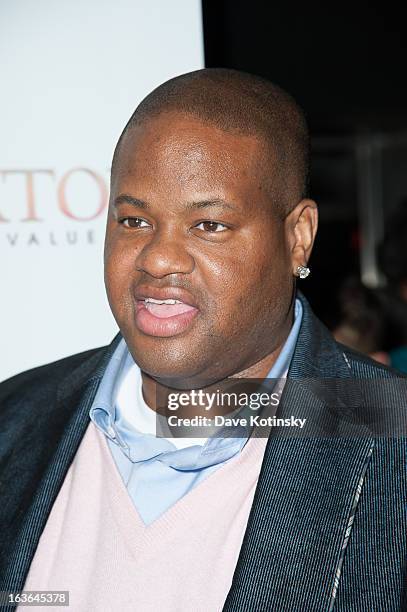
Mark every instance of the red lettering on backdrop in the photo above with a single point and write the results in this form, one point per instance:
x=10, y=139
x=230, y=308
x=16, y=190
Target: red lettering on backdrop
x=29, y=190
x=63, y=204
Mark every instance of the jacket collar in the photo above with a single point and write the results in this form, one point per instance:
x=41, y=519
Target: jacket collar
x=308, y=488
x=316, y=354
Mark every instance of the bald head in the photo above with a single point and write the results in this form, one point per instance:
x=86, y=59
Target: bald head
x=245, y=104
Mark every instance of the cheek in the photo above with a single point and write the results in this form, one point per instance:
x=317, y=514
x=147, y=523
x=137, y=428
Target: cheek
x=118, y=274
x=247, y=286
x=233, y=283
x=261, y=259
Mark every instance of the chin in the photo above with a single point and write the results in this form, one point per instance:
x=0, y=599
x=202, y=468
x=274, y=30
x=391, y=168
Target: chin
x=167, y=360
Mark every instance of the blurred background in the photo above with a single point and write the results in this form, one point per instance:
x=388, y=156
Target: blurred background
x=345, y=63
x=72, y=73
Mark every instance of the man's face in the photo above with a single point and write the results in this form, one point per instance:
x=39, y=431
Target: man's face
x=191, y=222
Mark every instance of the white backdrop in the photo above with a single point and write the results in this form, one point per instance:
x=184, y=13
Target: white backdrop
x=71, y=75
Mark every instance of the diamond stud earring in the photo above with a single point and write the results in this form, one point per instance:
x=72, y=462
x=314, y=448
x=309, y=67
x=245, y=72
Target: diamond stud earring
x=303, y=271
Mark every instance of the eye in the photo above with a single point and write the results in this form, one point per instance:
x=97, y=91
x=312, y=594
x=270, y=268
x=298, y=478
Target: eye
x=211, y=226
x=133, y=222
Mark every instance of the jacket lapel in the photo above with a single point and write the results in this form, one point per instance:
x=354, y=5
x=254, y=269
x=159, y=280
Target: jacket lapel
x=56, y=434
x=308, y=488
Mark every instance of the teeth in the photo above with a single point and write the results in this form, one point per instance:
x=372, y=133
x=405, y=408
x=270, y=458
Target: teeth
x=154, y=301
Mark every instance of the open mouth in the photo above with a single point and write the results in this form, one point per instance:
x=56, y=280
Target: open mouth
x=166, y=308
x=164, y=317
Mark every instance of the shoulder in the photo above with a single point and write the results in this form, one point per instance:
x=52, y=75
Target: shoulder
x=362, y=366
x=318, y=355
x=41, y=382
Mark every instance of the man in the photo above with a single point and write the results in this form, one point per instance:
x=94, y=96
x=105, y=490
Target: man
x=209, y=227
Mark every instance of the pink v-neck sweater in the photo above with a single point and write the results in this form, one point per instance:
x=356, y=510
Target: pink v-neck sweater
x=96, y=546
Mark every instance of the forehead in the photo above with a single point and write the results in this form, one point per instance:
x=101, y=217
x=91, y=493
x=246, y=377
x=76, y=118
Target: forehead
x=180, y=150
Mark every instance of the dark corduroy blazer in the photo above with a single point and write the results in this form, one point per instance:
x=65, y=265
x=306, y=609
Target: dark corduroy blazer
x=327, y=529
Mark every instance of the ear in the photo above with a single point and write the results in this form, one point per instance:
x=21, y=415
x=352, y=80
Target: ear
x=301, y=226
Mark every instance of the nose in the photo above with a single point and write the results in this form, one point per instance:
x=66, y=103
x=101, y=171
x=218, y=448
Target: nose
x=165, y=254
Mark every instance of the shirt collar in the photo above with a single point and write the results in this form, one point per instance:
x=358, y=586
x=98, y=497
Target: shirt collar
x=140, y=447
x=282, y=363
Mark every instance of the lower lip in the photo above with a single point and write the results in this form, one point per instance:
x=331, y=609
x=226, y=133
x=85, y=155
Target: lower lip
x=163, y=327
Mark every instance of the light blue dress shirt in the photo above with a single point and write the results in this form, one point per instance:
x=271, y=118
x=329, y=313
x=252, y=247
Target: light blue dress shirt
x=155, y=472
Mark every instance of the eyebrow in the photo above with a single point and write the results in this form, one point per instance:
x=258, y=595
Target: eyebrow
x=124, y=198
x=209, y=203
